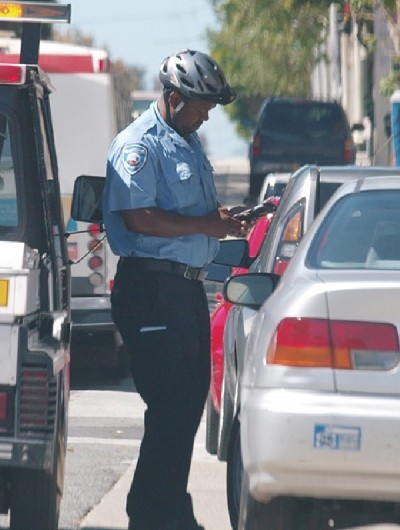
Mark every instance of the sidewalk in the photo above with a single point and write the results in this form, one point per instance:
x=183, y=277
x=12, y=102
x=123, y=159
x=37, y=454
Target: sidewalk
x=206, y=484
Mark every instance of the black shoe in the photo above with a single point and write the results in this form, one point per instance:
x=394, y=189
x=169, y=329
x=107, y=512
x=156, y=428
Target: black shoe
x=175, y=526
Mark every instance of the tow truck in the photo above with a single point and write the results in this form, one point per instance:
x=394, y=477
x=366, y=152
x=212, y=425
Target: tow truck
x=34, y=285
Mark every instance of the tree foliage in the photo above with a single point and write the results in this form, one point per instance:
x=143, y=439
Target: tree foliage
x=266, y=49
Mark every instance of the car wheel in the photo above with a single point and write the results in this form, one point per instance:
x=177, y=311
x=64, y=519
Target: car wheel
x=35, y=496
x=212, y=426
x=234, y=475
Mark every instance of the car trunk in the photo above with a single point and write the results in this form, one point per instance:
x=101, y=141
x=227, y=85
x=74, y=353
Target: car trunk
x=372, y=335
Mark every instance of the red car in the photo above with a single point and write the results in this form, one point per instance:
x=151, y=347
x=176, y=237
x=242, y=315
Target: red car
x=218, y=319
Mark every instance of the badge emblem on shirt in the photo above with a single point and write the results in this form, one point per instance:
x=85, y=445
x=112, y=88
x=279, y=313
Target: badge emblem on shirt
x=134, y=157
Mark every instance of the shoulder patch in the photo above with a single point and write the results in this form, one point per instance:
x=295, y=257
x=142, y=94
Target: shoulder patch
x=134, y=157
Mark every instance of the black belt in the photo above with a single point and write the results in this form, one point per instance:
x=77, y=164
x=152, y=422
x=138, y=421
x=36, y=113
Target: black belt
x=165, y=265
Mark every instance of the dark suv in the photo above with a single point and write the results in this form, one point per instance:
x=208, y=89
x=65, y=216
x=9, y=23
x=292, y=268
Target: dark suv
x=292, y=132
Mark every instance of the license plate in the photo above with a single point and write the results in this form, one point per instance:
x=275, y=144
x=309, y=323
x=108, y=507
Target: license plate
x=338, y=437
x=3, y=293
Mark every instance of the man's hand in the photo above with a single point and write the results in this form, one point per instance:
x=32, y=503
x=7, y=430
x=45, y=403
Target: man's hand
x=220, y=223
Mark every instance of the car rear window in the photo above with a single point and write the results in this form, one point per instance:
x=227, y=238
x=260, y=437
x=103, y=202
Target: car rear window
x=274, y=190
x=361, y=231
x=314, y=119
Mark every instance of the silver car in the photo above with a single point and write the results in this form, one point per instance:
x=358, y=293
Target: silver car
x=320, y=388
x=306, y=192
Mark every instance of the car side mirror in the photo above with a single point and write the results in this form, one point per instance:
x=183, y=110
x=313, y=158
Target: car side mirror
x=86, y=199
x=233, y=253
x=250, y=290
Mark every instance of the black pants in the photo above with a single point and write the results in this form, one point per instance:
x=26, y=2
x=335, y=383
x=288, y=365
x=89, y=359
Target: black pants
x=164, y=322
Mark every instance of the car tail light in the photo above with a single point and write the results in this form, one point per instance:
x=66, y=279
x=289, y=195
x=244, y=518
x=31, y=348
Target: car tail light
x=94, y=229
x=104, y=66
x=347, y=345
x=290, y=239
x=96, y=279
x=348, y=149
x=34, y=397
x=95, y=245
x=256, y=145
x=110, y=284
x=13, y=74
x=219, y=298
x=3, y=407
x=95, y=262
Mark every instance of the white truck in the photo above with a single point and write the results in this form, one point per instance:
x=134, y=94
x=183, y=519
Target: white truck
x=34, y=286
x=87, y=112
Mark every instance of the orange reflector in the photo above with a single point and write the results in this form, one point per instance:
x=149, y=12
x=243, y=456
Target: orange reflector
x=10, y=10
x=293, y=228
x=48, y=12
x=3, y=293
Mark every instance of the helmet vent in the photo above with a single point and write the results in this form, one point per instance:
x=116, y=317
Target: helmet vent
x=181, y=68
x=210, y=88
x=186, y=82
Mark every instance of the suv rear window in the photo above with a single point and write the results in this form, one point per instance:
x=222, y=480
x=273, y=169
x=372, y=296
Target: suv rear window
x=310, y=118
x=8, y=189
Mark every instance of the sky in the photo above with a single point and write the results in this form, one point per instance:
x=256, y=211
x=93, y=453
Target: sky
x=144, y=33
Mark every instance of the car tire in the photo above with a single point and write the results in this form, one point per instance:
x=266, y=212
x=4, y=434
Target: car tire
x=35, y=496
x=225, y=422
x=234, y=472
x=212, y=426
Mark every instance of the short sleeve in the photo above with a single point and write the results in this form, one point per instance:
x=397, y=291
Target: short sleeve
x=131, y=169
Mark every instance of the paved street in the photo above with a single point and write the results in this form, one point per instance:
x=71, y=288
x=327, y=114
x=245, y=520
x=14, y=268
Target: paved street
x=113, y=424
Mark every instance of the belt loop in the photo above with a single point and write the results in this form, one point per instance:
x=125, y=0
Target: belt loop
x=187, y=273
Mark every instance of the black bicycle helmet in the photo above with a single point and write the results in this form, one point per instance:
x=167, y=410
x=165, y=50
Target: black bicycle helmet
x=196, y=75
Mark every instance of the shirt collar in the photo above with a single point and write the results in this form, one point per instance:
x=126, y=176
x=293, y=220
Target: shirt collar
x=165, y=131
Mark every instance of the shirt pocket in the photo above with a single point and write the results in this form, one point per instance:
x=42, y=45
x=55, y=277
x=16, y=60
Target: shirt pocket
x=183, y=183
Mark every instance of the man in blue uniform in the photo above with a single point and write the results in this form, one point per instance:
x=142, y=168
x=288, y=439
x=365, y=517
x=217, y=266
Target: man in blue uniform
x=162, y=217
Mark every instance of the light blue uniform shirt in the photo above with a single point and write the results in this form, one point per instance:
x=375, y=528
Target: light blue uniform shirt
x=151, y=165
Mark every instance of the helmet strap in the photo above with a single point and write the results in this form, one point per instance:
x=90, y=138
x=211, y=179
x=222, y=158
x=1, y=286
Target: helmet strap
x=171, y=117
x=166, y=94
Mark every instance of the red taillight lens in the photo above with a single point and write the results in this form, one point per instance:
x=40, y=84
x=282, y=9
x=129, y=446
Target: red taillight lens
x=3, y=407
x=12, y=74
x=94, y=230
x=219, y=298
x=104, y=66
x=256, y=145
x=280, y=266
x=301, y=342
x=348, y=149
x=308, y=342
x=95, y=262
